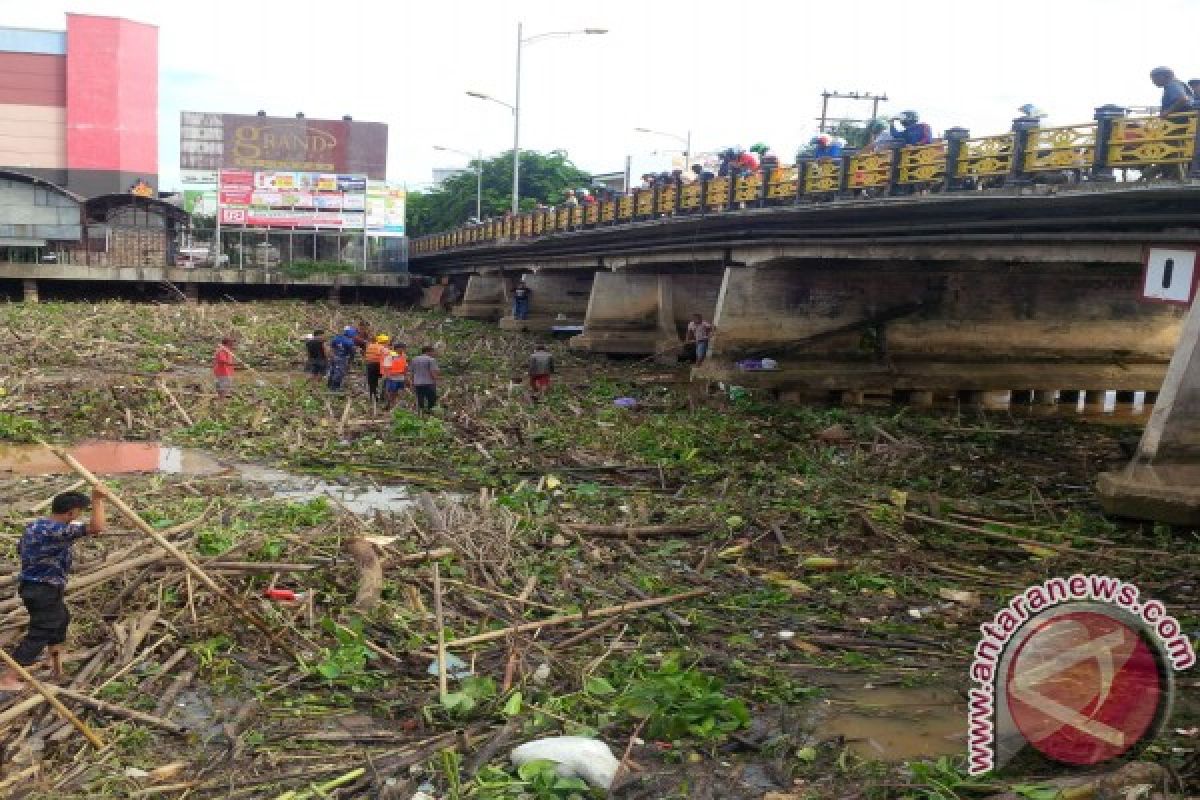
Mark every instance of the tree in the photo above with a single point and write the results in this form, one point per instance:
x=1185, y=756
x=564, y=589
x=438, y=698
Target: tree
x=544, y=176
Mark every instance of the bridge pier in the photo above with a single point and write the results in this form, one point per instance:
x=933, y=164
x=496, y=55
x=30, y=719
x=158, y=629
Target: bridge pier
x=1162, y=482
x=486, y=297
x=645, y=313
x=940, y=327
x=30, y=287
x=557, y=298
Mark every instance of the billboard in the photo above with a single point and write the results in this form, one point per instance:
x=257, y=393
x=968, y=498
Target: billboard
x=273, y=199
x=210, y=142
x=385, y=209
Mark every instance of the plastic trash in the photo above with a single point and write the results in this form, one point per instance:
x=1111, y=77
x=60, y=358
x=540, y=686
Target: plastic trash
x=625, y=402
x=576, y=757
x=283, y=595
x=738, y=393
x=750, y=364
x=769, y=363
x=455, y=667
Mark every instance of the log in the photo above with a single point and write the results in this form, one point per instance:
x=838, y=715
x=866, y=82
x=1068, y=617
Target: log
x=426, y=555
x=163, y=708
x=441, y=633
x=162, y=387
x=62, y=710
x=633, y=531
x=370, y=573
x=609, y=611
x=246, y=614
x=112, y=709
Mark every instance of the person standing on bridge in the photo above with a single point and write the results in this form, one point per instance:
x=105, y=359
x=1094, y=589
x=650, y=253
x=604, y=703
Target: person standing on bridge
x=912, y=131
x=423, y=373
x=1177, y=96
x=342, y=349
x=223, y=361
x=521, y=297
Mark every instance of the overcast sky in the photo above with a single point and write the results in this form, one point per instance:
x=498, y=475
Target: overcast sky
x=732, y=73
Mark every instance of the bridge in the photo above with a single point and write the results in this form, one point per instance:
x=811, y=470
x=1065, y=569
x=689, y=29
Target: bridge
x=1004, y=263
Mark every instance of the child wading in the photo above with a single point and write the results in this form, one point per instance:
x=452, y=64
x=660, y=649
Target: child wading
x=45, y=550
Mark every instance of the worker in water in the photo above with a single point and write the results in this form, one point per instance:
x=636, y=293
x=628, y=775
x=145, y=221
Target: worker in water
x=316, y=363
x=541, y=367
x=697, y=336
x=373, y=357
x=45, y=552
x=395, y=368
x=342, y=352
x=424, y=375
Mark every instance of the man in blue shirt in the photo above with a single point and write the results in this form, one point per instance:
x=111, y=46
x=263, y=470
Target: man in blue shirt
x=45, y=550
x=1176, y=96
x=342, y=348
x=912, y=131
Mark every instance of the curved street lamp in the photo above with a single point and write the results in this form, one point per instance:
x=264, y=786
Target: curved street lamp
x=478, y=176
x=685, y=140
x=515, y=106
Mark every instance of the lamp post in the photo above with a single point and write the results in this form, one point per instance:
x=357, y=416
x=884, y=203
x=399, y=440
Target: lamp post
x=685, y=140
x=478, y=177
x=515, y=106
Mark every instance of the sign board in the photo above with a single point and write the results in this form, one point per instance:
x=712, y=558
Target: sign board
x=327, y=201
x=1170, y=275
x=234, y=141
x=385, y=209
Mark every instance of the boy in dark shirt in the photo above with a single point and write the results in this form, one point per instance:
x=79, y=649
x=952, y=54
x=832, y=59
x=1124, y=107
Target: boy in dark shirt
x=45, y=550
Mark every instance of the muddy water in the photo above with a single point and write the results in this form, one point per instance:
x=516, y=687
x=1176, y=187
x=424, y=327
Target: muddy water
x=125, y=458
x=896, y=724
x=108, y=458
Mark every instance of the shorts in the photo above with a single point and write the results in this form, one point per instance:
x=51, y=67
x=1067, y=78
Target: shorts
x=393, y=385
x=316, y=366
x=224, y=383
x=539, y=382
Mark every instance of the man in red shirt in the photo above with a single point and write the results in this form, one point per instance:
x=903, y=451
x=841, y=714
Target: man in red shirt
x=223, y=367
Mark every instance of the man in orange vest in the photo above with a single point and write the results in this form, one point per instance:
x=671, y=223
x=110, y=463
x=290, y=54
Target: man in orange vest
x=374, y=354
x=395, y=367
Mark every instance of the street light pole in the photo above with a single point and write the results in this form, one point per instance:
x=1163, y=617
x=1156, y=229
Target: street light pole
x=478, y=177
x=516, y=190
x=685, y=140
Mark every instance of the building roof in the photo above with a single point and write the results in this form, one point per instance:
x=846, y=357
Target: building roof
x=103, y=204
x=12, y=174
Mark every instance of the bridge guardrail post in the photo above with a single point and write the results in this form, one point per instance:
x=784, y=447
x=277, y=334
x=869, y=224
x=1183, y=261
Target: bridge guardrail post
x=703, y=209
x=1021, y=127
x=894, y=187
x=954, y=147
x=764, y=175
x=730, y=198
x=678, y=181
x=1105, y=117
x=802, y=165
x=848, y=153
x=1193, y=171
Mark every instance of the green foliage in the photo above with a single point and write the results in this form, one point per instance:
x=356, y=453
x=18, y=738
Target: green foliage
x=14, y=428
x=543, y=177
x=410, y=425
x=303, y=269
x=345, y=664
x=473, y=691
x=679, y=702
x=535, y=780
x=943, y=779
x=291, y=516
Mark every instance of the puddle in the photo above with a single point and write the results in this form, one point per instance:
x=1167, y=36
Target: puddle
x=127, y=458
x=108, y=458
x=896, y=724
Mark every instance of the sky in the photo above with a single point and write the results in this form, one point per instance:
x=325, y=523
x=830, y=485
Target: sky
x=731, y=74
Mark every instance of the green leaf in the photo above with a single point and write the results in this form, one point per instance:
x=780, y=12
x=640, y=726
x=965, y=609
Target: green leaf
x=513, y=706
x=807, y=754
x=538, y=768
x=598, y=687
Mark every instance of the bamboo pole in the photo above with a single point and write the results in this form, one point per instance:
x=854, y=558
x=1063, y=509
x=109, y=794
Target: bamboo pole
x=249, y=616
x=162, y=386
x=62, y=710
x=609, y=611
x=443, y=690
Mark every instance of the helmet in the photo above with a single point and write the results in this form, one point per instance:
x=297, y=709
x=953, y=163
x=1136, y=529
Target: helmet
x=876, y=126
x=823, y=140
x=909, y=117
x=350, y=330
x=1030, y=110
x=759, y=147
x=383, y=338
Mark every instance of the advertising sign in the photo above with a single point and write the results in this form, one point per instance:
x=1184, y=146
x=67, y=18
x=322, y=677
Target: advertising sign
x=288, y=199
x=267, y=144
x=385, y=209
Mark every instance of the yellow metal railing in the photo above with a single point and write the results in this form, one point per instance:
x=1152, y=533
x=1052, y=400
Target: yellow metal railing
x=591, y=214
x=823, y=175
x=526, y=225
x=869, y=170
x=748, y=188
x=1064, y=147
x=922, y=164
x=782, y=184
x=1142, y=141
x=666, y=199
x=576, y=217
x=645, y=204
x=689, y=197
x=562, y=218
x=625, y=208
x=608, y=210
x=989, y=156
x=718, y=194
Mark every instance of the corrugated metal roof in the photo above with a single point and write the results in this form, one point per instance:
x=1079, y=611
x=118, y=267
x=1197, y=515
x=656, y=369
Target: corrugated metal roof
x=27, y=40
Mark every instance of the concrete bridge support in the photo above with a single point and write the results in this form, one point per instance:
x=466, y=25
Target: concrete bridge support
x=645, y=313
x=30, y=286
x=487, y=297
x=1162, y=482
x=557, y=298
x=938, y=327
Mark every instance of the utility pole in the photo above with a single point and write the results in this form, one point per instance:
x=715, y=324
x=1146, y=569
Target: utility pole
x=827, y=124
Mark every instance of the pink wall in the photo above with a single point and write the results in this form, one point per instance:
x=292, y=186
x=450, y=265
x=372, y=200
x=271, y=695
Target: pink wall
x=112, y=94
